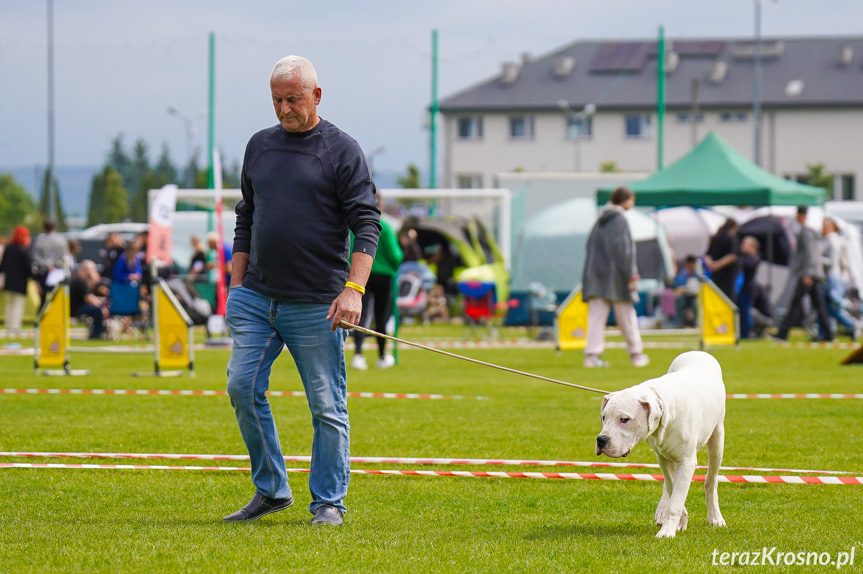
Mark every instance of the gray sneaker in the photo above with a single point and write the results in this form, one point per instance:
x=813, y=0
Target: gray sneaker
x=326, y=514
x=593, y=361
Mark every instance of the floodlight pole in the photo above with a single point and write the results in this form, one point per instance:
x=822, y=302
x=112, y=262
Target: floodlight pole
x=433, y=124
x=211, y=113
x=660, y=97
x=756, y=104
x=49, y=177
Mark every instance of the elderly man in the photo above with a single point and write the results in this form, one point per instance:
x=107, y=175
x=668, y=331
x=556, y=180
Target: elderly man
x=305, y=186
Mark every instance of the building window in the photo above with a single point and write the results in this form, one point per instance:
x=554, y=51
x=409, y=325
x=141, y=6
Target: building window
x=469, y=181
x=521, y=127
x=637, y=125
x=687, y=118
x=470, y=128
x=579, y=127
x=727, y=117
x=847, y=187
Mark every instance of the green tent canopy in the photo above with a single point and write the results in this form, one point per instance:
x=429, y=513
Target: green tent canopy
x=714, y=173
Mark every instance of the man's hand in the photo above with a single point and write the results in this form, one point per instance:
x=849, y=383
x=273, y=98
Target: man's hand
x=347, y=307
x=806, y=280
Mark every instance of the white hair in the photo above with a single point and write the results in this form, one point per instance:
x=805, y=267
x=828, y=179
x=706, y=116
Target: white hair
x=289, y=65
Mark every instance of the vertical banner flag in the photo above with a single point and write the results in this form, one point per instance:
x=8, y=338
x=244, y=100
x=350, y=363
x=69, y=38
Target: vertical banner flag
x=571, y=322
x=161, y=220
x=221, y=288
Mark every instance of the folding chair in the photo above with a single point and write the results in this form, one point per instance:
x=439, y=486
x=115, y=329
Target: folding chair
x=479, y=301
x=126, y=302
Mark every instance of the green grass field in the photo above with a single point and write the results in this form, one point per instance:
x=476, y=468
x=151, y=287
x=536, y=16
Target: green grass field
x=65, y=520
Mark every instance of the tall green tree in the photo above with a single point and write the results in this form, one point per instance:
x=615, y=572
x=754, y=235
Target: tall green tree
x=411, y=180
x=165, y=170
x=96, y=211
x=818, y=178
x=16, y=205
x=108, y=198
x=116, y=196
x=118, y=158
x=45, y=200
x=136, y=183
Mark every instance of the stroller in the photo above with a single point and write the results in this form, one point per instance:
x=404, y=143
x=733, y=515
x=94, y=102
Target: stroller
x=415, y=280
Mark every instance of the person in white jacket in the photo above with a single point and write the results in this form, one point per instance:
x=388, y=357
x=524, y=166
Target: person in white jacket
x=837, y=268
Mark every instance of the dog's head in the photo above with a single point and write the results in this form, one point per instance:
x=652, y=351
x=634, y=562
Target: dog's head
x=628, y=417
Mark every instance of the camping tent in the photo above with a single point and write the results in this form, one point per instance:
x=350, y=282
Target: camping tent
x=551, y=250
x=689, y=229
x=462, y=249
x=714, y=173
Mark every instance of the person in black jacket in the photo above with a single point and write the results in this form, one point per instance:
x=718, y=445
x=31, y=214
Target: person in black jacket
x=83, y=300
x=306, y=185
x=17, y=265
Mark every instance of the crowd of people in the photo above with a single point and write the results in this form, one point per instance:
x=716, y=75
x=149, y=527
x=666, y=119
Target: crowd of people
x=819, y=270
x=51, y=259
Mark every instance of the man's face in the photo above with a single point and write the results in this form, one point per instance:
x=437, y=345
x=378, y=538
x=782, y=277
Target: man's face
x=295, y=104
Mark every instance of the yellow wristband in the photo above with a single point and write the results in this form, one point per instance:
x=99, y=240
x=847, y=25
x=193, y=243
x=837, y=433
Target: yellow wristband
x=353, y=285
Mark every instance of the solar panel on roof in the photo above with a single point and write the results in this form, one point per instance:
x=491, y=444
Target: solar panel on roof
x=620, y=57
x=695, y=48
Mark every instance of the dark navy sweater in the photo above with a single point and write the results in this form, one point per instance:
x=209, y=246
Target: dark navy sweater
x=302, y=194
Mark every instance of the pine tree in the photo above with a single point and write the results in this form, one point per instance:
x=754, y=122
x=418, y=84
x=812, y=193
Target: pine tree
x=116, y=198
x=96, y=212
x=165, y=170
x=45, y=203
x=118, y=158
x=134, y=184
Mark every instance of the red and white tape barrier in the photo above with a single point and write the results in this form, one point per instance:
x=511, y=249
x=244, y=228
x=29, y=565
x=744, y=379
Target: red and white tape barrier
x=171, y=392
x=858, y=480
x=807, y=345
x=794, y=396
x=393, y=460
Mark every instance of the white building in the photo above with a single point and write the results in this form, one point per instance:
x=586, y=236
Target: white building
x=595, y=102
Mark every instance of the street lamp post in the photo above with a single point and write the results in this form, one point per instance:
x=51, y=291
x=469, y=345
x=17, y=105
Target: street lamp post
x=190, y=130
x=756, y=104
x=582, y=115
x=371, y=158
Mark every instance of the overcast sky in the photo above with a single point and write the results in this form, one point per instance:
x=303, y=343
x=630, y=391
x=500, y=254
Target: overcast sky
x=121, y=63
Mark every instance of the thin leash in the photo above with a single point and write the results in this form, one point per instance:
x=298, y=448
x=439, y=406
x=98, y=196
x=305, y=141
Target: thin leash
x=346, y=325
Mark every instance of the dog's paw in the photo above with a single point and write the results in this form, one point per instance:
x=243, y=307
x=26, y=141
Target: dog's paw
x=684, y=520
x=661, y=515
x=716, y=520
x=666, y=532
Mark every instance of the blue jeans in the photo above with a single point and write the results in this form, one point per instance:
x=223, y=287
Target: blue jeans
x=744, y=306
x=260, y=328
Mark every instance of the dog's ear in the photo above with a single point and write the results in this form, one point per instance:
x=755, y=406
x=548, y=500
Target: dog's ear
x=653, y=408
x=605, y=401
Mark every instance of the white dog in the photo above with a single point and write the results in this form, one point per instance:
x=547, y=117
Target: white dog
x=676, y=414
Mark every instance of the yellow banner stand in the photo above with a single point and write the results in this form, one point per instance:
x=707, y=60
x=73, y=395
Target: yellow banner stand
x=720, y=319
x=52, y=334
x=174, y=340
x=570, y=322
